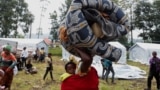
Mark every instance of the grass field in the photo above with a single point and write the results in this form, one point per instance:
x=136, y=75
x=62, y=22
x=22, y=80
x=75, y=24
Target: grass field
x=24, y=81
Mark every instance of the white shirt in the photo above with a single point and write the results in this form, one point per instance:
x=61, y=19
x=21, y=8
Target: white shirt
x=24, y=53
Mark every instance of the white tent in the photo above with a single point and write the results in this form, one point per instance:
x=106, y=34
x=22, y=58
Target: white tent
x=142, y=52
x=31, y=44
x=3, y=43
x=124, y=52
x=65, y=54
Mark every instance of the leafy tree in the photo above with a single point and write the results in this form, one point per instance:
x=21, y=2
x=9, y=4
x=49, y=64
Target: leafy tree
x=55, y=26
x=55, y=21
x=147, y=19
x=126, y=4
x=155, y=30
x=64, y=9
x=14, y=13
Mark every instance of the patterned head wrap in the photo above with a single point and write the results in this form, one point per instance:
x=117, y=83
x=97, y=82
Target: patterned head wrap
x=8, y=48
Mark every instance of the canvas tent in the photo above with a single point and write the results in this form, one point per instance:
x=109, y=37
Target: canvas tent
x=31, y=44
x=142, y=52
x=65, y=54
x=3, y=43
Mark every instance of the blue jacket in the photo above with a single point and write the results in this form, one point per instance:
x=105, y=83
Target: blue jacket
x=107, y=63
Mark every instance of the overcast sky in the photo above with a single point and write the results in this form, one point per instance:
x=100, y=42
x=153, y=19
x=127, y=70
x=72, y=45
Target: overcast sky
x=35, y=6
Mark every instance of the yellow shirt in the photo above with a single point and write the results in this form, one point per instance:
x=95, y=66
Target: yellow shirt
x=64, y=76
x=47, y=61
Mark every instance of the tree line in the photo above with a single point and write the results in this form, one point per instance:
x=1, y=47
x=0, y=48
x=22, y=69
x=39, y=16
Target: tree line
x=14, y=15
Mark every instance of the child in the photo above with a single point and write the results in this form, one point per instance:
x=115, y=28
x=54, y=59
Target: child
x=49, y=67
x=80, y=81
x=70, y=69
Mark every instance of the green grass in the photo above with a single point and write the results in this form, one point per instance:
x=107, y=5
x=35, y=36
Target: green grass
x=57, y=51
x=24, y=81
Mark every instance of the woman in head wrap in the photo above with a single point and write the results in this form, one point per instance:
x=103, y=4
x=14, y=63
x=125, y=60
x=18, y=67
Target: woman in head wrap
x=7, y=65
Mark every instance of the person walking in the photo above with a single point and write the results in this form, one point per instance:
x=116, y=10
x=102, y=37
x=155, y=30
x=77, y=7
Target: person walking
x=154, y=70
x=49, y=67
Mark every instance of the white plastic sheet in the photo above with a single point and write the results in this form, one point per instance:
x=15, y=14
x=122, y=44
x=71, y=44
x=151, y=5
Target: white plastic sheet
x=122, y=71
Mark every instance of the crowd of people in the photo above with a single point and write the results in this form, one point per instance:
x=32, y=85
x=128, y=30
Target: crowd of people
x=86, y=30
x=37, y=56
x=90, y=25
x=74, y=73
x=23, y=61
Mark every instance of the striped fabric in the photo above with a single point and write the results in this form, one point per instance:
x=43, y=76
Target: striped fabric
x=77, y=26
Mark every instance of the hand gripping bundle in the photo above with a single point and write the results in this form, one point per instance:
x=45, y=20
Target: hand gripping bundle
x=91, y=24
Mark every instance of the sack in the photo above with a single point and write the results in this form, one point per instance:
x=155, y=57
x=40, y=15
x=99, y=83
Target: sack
x=92, y=17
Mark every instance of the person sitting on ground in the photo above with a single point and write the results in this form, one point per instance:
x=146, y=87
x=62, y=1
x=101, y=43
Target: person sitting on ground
x=29, y=68
x=82, y=78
